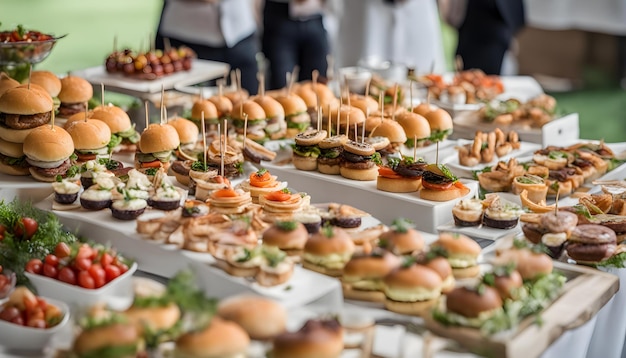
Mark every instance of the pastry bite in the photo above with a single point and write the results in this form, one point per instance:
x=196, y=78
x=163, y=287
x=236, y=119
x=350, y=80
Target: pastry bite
x=468, y=212
x=100, y=195
x=260, y=183
x=128, y=208
x=499, y=213
x=535, y=186
x=165, y=196
x=66, y=191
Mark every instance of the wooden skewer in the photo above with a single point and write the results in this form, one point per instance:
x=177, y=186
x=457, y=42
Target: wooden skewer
x=238, y=76
x=162, y=103
x=414, y=146
x=356, y=137
x=86, y=110
x=101, y=94
x=319, y=118
x=330, y=122
x=219, y=136
x=411, y=94
x=245, y=129
x=203, y=139
x=261, y=78
x=52, y=119
x=338, y=118
x=292, y=79
x=30, y=71
x=437, y=154
x=395, y=102
x=147, y=115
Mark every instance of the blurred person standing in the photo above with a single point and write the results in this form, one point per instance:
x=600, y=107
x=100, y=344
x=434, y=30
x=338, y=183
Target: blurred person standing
x=216, y=30
x=404, y=32
x=486, y=30
x=294, y=34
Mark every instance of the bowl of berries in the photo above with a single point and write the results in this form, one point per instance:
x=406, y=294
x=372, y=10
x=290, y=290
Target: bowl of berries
x=84, y=275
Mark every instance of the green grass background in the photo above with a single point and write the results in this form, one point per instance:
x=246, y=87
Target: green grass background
x=92, y=25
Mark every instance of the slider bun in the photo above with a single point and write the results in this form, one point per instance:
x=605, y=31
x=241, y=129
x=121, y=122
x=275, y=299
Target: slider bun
x=364, y=103
x=359, y=174
x=24, y=101
x=310, y=137
x=237, y=96
x=440, y=265
x=506, y=285
x=413, y=276
x=455, y=243
x=115, y=117
x=347, y=113
x=219, y=339
x=187, y=130
x=403, y=243
x=158, y=138
x=467, y=272
x=304, y=163
x=316, y=339
x=292, y=104
x=10, y=149
x=439, y=119
x=113, y=335
x=359, y=148
x=89, y=134
x=260, y=317
x=223, y=105
x=333, y=142
x=249, y=107
x=423, y=108
x=271, y=107
x=321, y=245
x=398, y=185
x=156, y=318
x=392, y=130
x=443, y=195
x=276, y=235
x=47, y=144
x=14, y=170
x=559, y=221
x=206, y=106
x=46, y=79
x=414, y=125
x=75, y=90
x=6, y=83
x=364, y=267
x=469, y=303
x=529, y=264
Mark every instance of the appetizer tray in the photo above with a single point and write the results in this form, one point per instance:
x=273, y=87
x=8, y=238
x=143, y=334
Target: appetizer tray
x=584, y=294
x=554, y=132
x=201, y=70
x=303, y=288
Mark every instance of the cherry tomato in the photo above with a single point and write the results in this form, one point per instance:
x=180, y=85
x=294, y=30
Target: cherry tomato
x=106, y=260
x=112, y=272
x=36, y=323
x=34, y=266
x=25, y=228
x=3, y=229
x=83, y=263
x=37, y=313
x=436, y=186
x=123, y=267
x=52, y=260
x=18, y=320
x=85, y=280
x=67, y=275
x=50, y=271
x=3, y=281
x=9, y=313
x=30, y=301
x=98, y=274
x=85, y=252
x=62, y=250
x=1, y=268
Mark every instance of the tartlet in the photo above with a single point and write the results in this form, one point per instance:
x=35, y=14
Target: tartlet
x=468, y=212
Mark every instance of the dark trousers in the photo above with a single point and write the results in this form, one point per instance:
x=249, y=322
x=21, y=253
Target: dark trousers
x=290, y=42
x=241, y=56
x=484, y=37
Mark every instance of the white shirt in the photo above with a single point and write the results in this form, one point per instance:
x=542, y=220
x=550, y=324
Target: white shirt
x=216, y=24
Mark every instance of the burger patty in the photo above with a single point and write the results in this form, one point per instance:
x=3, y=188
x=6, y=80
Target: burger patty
x=230, y=170
x=17, y=121
x=68, y=109
x=410, y=170
x=60, y=170
x=359, y=165
x=328, y=161
x=14, y=162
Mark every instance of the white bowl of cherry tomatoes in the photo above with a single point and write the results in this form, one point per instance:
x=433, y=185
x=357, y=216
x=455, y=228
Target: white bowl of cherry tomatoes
x=28, y=322
x=84, y=275
x=7, y=283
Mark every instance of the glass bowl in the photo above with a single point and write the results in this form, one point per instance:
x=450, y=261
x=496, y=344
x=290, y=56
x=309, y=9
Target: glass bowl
x=15, y=53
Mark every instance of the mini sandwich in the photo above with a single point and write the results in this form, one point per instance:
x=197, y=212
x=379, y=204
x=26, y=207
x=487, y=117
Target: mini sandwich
x=441, y=125
x=412, y=289
x=91, y=138
x=363, y=275
x=306, y=149
x=233, y=159
x=358, y=161
x=591, y=243
x=223, y=105
x=289, y=236
x=124, y=137
x=393, y=131
x=442, y=267
x=107, y=335
x=207, y=109
x=257, y=119
x=499, y=213
x=6, y=83
x=188, y=134
x=461, y=251
x=507, y=281
x=468, y=212
x=218, y=339
x=48, y=150
x=416, y=128
x=156, y=145
x=75, y=93
x=348, y=118
x=276, y=127
x=330, y=154
x=553, y=230
x=439, y=184
x=402, y=238
x=12, y=159
x=296, y=115
x=400, y=175
x=262, y=318
x=317, y=338
x=49, y=81
x=472, y=306
x=530, y=264
x=328, y=251
x=21, y=110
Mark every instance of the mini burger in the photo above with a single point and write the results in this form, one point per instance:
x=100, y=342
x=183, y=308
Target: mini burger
x=124, y=137
x=75, y=93
x=402, y=238
x=206, y=107
x=219, y=339
x=276, y=127
x=439, y=184
x=591, y=243
x=348, y=117
x=553, y=230
x=257, y=119
x=359, y=161
x=412, y=289
x=531, y=264
x=472, y=306
x=6, y=83
x=223, y=105
x=48, y=150
x=91, y=138
x=400, y=175
x=289, y=236
x=12, y=159
x=391, y=130
x=416, y=128
x=440, y=124
x=306, y=149
x=506, y=280
x=442, y=267
x=330, y=154
x=155, y=148
x=188, y=134
x=108, y=335
x=461, y=251
x=48, y=80
x=262, y=318
x=328, y=251
x=363, y=275
x=21, y=110
x=233, y=159
x=316, y=339
x=296, y=115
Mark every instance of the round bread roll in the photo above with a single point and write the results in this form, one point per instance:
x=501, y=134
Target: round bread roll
x=219, y=339
x=115, y=117
x=442, y=267
x=414, y=280
x=24, y=101
x=159, y=138
x=223, y=105
x=315, y=339
x=75, y=90
x=110, y=336
x=46, y=79
x=469, y=303
x=462, y=253
x=529, y=264
x=260, y=317
x=46, y=144
x=89, y=134
x=414, y=125
x=154, y=317
x=187, y=131
x=390, y=129
x=508, y=284
x=286, y=235
x=204, y=106
x=591, y=243
x=439, y=120
x=12, y=150
x=404, y=242
x=6, y=83
x=423, y=108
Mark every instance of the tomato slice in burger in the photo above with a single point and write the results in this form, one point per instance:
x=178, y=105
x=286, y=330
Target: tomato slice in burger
x=388, y=173
x=152, y=164
x=437, y=186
